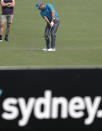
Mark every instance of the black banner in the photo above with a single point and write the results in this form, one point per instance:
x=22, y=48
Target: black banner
x=51, y=98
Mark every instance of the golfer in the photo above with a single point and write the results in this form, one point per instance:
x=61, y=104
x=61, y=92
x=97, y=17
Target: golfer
x=50, y=15
x=7, y=15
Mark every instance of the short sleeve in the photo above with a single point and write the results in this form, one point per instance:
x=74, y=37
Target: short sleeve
x=50, y=7
x=42, y=14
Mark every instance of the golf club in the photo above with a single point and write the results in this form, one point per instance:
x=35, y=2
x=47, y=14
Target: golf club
x=49, y=32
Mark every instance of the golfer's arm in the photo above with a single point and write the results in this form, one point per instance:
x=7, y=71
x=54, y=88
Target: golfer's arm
x=12, y=4
x=4, y=4
x=46, y=19
x=53, y=15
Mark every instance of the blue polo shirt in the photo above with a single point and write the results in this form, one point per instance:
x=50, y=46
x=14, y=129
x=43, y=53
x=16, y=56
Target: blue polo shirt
x=47, y=12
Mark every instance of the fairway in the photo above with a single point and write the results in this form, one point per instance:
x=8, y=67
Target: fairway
x=79, y=38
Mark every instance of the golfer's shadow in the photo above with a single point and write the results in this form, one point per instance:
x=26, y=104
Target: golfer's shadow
x=35, y=50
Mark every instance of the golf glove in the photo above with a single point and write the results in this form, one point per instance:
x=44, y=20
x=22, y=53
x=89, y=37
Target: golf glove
x=52, y=23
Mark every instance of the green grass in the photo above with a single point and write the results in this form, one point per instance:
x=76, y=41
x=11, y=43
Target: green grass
x=79, y=38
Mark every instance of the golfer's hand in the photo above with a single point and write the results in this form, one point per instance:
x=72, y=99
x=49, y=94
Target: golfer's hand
x=9, y=5
x=52, y=24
